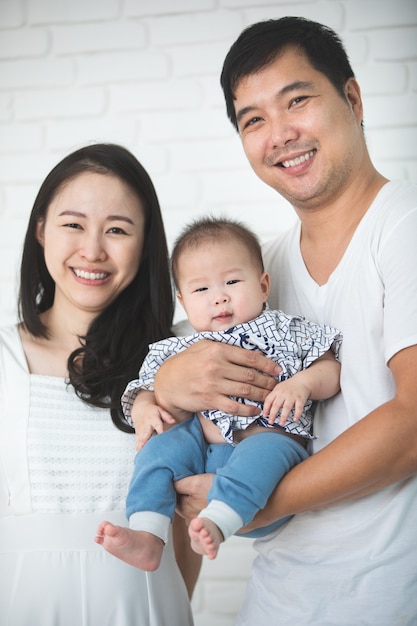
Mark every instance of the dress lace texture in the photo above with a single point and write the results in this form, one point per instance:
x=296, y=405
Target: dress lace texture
x=79, y=462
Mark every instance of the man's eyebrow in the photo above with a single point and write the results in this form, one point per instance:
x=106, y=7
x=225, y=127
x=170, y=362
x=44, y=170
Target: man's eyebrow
x=242, y=112
x=295, y=86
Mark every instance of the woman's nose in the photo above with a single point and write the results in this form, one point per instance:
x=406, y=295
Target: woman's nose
x=93, y=248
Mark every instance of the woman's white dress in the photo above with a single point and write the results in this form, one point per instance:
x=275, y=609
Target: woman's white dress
x=64, y=467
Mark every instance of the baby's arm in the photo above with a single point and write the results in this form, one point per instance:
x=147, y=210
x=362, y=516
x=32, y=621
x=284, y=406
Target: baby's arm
x=319, y=381
x=148, y=417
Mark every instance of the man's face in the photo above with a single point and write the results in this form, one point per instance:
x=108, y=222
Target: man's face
x=300, y=135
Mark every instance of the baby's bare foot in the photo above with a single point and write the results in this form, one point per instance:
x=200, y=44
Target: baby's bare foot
x=205, y=537
x=135, y=547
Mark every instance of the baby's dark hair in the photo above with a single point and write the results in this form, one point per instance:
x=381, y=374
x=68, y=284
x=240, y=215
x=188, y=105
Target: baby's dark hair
x=215, y=229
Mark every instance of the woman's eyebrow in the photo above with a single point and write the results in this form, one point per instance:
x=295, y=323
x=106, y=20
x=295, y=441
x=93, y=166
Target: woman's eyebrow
x=109, y=218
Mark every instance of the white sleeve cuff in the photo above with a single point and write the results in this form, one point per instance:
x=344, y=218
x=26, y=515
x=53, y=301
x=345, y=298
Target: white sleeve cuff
x=225, y=518
x=151, y=522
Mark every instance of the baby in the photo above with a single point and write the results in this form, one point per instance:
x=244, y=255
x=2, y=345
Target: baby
x=219, y=275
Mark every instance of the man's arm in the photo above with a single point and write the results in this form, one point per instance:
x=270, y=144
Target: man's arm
x=377, y=451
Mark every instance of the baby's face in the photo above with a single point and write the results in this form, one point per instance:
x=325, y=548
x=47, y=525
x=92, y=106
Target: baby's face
x=220, y=285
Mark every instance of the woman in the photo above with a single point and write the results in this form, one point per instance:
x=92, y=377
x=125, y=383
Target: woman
x=95, y=291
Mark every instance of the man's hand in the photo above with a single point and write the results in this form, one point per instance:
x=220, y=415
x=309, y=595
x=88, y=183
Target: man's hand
x=192, y=495
x=205, y=376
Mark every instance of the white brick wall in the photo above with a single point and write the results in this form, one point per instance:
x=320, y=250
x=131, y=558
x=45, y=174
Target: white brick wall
x=145, y=74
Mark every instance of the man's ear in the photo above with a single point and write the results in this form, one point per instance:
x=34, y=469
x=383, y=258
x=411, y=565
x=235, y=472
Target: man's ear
x=353, y=96
x=40, y=231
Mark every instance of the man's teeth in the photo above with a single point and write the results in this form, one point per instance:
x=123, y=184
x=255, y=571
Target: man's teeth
x=298, y=160
x=89, y=275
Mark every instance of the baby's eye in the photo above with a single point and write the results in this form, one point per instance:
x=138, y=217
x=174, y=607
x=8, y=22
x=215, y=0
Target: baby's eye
x=201, y=289
x=233, y=281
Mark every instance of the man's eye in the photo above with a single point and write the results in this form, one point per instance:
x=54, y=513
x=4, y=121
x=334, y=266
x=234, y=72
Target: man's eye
x=298, y=99
x=251, y=122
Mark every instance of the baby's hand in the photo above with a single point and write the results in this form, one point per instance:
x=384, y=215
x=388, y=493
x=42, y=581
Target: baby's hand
x=288, y=395
x=149, y=419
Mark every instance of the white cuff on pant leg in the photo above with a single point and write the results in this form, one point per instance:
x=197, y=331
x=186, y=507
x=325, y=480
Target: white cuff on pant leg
x=226, y=518
x=151, y=522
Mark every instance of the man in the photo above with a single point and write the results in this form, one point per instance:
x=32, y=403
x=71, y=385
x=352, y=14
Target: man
x=349, y=555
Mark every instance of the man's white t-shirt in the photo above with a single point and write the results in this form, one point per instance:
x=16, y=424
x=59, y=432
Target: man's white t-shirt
x=355, y=563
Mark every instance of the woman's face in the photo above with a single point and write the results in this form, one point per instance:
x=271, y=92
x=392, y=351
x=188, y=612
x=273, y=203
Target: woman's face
x=93, y=237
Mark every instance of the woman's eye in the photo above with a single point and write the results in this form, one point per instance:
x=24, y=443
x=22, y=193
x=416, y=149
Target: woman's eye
x=116, y=231
x=72, y=225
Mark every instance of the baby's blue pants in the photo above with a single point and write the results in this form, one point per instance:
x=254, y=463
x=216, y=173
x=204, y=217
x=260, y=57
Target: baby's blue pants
x=245, y=475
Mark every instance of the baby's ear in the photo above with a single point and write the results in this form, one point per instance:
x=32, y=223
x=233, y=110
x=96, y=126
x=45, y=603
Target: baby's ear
x=265, y=285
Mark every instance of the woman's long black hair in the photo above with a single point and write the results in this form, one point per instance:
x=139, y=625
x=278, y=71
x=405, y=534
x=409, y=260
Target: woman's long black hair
x=117, y=340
